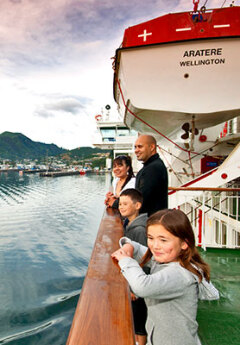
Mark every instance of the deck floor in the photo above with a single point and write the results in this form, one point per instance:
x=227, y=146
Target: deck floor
x=219, y=320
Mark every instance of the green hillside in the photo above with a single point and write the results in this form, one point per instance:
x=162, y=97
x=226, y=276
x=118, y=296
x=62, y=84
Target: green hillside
x=86, y=152
x=18, y=146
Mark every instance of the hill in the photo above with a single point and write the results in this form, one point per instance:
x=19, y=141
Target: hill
x=18, y=146
x=86, y=152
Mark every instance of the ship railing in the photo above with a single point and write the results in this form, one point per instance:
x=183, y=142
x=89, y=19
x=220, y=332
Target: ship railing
x=213, y=212
x=233, y=126
x=103, y=314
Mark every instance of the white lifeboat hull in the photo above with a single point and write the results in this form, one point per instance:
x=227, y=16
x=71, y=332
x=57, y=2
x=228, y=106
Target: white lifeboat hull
x=164, y=85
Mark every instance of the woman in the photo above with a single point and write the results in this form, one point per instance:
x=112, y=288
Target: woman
x=124, y=179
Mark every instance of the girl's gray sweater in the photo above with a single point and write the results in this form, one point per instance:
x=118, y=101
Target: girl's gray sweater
x=171, y=293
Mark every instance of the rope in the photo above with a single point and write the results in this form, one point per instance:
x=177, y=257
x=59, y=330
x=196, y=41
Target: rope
x=171, y=154
x=202, y=153
x=190, y=161
x=206, y=3
x=169, y=164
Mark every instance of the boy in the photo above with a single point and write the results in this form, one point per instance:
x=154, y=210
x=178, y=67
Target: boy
x=130, y=202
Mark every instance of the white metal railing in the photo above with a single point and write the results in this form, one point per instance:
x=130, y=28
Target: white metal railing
x=231, y=127
x=214, y=214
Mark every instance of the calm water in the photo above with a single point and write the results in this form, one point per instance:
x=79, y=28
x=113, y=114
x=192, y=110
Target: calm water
x=47, y=230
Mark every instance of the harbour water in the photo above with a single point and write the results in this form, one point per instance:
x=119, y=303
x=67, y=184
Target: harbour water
x=47, y=230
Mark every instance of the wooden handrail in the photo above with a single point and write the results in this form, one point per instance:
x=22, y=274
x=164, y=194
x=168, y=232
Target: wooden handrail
x=103, y=314
x=203, y=189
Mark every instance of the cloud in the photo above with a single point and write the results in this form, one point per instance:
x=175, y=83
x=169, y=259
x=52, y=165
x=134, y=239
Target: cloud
x=49, y=32
x=68, y=104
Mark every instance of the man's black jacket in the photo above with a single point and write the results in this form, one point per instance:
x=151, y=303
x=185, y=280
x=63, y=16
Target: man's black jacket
x=152, y=182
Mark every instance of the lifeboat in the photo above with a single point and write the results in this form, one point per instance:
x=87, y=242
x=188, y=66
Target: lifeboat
x=178, y=69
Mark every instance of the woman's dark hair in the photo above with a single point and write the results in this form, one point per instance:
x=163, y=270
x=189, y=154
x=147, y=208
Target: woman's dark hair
x=178, y=224
x=128, y=161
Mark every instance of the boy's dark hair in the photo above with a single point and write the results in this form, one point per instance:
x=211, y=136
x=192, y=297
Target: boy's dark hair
x=134, y=194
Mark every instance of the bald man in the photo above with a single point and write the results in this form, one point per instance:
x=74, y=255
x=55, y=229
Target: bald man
x=152, y=179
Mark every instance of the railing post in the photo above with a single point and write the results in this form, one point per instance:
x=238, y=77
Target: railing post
x=199, y=228
x=220, y=218
x=203, y=222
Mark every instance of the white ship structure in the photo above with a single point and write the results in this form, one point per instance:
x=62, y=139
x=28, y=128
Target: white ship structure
x=177, y=77
x=115, y=135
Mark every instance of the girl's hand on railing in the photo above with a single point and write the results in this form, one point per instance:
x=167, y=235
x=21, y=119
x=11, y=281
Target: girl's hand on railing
x=119, y=254
x=125, y=251
x=128, y=249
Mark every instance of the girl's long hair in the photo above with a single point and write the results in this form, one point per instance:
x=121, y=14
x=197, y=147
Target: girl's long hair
x=178, y=224
x=128, y=161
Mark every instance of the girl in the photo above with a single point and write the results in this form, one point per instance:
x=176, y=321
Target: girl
x=178, y=278
x=124, y=179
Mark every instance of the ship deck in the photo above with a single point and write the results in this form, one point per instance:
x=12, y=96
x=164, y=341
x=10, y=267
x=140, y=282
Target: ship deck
x=219, y=320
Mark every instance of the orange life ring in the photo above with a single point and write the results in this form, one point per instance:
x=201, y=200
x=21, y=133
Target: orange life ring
x=98, y=117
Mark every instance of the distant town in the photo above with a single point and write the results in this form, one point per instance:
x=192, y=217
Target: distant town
x=99, y=162
x=18, y=152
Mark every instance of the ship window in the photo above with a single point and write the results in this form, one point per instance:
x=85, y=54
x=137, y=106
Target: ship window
x=133, y=132
x=217, y=232
x=191, y=214
x=224, y=234
x=195, y=217
x=108, y=140
x=236, y=238
x=122, y=132
x=108, y=132
x=220, y=233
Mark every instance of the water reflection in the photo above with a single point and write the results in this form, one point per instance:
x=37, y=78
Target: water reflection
x=48, y=227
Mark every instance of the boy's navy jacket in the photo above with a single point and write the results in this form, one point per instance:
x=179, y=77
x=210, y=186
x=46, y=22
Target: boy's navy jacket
x=136, y=230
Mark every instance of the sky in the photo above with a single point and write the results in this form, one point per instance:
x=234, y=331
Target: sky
x=55, y=62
